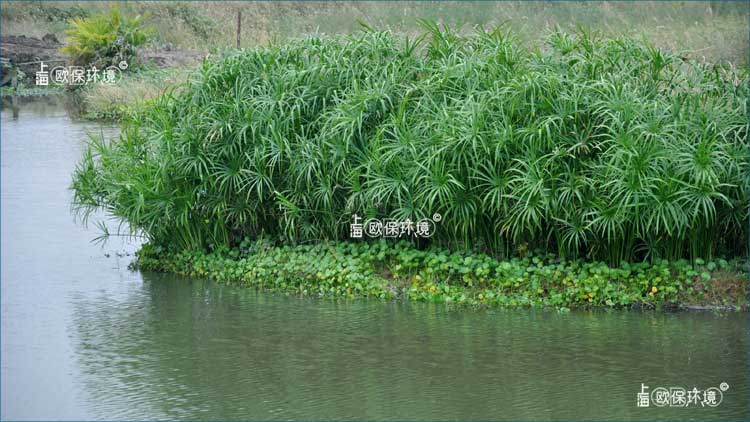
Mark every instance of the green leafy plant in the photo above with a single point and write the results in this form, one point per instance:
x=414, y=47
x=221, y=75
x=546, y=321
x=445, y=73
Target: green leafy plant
x=604, y=149
x=105, y=39
x=400, y=271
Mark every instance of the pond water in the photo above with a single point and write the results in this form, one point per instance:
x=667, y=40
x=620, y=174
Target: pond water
x=83, y=337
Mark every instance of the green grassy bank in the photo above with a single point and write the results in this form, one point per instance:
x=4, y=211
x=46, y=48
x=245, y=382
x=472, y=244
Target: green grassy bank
x=388, y=270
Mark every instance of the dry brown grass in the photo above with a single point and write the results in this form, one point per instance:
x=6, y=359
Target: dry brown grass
x=714, y=30
x=112, y=102
x=725, y=287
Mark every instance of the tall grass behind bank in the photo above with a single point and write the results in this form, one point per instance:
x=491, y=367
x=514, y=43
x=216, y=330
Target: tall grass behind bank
x=716, y=30
x=598, y=148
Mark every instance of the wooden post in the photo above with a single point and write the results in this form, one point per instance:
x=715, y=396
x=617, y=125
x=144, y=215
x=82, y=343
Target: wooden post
x=239, y=26
x=14, y=99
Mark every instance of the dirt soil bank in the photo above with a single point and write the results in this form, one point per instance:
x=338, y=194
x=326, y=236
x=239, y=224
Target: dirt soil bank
x=24, y=53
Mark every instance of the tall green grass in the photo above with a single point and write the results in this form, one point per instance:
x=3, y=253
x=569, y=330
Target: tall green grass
x=598, y=148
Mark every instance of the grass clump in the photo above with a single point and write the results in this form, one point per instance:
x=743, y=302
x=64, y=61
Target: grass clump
x=388, y=271
x=606, y=149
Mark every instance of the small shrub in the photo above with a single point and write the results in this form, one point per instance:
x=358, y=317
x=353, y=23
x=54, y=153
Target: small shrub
x=104, y=40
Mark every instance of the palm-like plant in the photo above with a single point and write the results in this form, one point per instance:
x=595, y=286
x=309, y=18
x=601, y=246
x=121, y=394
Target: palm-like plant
x=609, y=149
x=105, y=39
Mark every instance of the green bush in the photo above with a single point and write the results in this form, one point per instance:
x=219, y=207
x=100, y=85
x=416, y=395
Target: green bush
x=104, y=40
x=601, y=148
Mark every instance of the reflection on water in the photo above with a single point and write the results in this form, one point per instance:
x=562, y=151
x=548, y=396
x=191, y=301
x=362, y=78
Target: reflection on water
x=83, y=337
x=35, y=107
x=186, y=349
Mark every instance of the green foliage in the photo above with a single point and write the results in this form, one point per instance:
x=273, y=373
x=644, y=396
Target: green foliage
x=398, y=270
x=105, y=39
x=604, y=149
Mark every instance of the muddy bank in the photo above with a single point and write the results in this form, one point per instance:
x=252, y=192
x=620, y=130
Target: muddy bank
x=24, y=54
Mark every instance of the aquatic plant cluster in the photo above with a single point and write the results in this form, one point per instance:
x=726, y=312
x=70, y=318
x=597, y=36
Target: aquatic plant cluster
x=591, y=148
x=389, y=270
